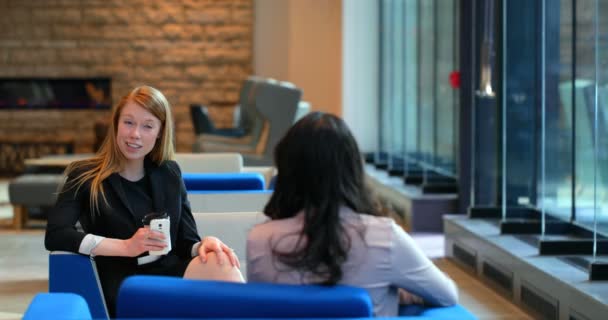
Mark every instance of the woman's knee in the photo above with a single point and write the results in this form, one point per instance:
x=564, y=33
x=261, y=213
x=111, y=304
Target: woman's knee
x=212, y=269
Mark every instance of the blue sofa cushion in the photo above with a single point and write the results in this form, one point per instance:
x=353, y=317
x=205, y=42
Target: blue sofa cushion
x=223, y=181
x=167, y=297
x=57, y=305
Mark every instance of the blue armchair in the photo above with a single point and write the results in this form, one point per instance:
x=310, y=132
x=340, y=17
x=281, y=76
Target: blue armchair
x=75, y=273
x=167, y=297
x=153, y=297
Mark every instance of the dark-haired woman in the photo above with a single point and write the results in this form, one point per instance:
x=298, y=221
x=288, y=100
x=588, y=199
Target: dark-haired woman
x=325, y=229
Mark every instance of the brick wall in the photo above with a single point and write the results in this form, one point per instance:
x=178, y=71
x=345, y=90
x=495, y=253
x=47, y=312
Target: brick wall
x=194, y=51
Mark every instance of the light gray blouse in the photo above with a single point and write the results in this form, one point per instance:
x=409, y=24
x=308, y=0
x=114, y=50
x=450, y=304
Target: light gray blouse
x=382, y=258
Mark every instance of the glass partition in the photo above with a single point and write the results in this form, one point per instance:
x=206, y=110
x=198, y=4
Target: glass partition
x=520, y=105
x=397, y=86
x=561, y=99
x=446, y=97
x=601, y=118
x=419, y=109
x=426, y=83
x=411, y=83
x=583, y=86
x=485, y=114
x=386, y=68
x=554, y=132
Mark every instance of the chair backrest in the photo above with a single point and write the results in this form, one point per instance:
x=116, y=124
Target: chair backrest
x=231, y=227
x=223, y=181
x=303, y=109
x=75, y=273
x=228, y=201
x=169, y=297
x=248, y=116
x=200, y=119
x=221, y=162
x=277, y=103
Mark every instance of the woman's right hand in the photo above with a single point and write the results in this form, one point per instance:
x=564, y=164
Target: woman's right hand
x=144, y=240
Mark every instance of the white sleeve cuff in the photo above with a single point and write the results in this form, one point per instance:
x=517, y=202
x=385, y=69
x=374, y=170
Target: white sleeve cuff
x=89, y=243
x=195, y=247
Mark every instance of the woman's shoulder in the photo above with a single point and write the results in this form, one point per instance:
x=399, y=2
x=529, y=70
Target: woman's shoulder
x=271, y=228
x=172, y=167
x=379, y=231
x=366, y=219
x=77, y=168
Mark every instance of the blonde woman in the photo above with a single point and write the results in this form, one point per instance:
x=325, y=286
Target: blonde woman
x=132, y=175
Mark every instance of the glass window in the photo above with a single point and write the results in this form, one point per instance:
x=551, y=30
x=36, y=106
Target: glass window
x=426, y=82
x=590, y=87
x=602, y=117
x=555, y=88
x=560, y=101
x=386, y=69
x=419, y=108
x=397, y=87
x=411, y=82
x=521, y=108
x=485, y=113
x=446, y=97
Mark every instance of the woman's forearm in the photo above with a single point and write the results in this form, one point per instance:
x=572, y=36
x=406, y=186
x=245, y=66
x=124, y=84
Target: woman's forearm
x=142, y=241
x=112, y=247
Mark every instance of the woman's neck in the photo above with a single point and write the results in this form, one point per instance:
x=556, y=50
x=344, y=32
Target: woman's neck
x=133, y=170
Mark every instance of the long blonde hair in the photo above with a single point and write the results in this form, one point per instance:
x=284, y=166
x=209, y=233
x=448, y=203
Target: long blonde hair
x=109, y=159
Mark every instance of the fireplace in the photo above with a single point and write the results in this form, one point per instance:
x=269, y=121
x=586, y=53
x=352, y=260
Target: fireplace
x=49, y=116
x=58, y=94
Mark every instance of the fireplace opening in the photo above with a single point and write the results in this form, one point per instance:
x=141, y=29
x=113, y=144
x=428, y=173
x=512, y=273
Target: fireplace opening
x=64, y=93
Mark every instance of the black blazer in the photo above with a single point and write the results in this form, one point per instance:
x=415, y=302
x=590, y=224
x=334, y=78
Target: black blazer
x=117, y=219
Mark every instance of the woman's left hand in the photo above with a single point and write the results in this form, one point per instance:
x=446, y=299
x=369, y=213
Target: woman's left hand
x=213, y=244
x=406, y=297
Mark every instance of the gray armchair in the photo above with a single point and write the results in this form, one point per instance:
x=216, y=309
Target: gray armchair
x=248, y=120
x=275, y=104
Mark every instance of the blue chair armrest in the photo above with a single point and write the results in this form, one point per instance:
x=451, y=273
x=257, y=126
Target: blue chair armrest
x=75, y=273
x=57, y=306
x=456, y=312
x=175, y=298
x=223, y=181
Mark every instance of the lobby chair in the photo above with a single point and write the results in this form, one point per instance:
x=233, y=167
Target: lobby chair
x=75, y=273
x=278, y=103
x=248, y=121
x=57, y=306
x=175, y=298
x=71, y=306
x=203, y=125
x=275, y=104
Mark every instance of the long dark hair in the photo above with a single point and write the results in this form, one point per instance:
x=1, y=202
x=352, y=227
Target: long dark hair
x=320, y=169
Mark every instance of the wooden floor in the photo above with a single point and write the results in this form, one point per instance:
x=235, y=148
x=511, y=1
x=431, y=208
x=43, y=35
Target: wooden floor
x=478, y=298
x=24, y=268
